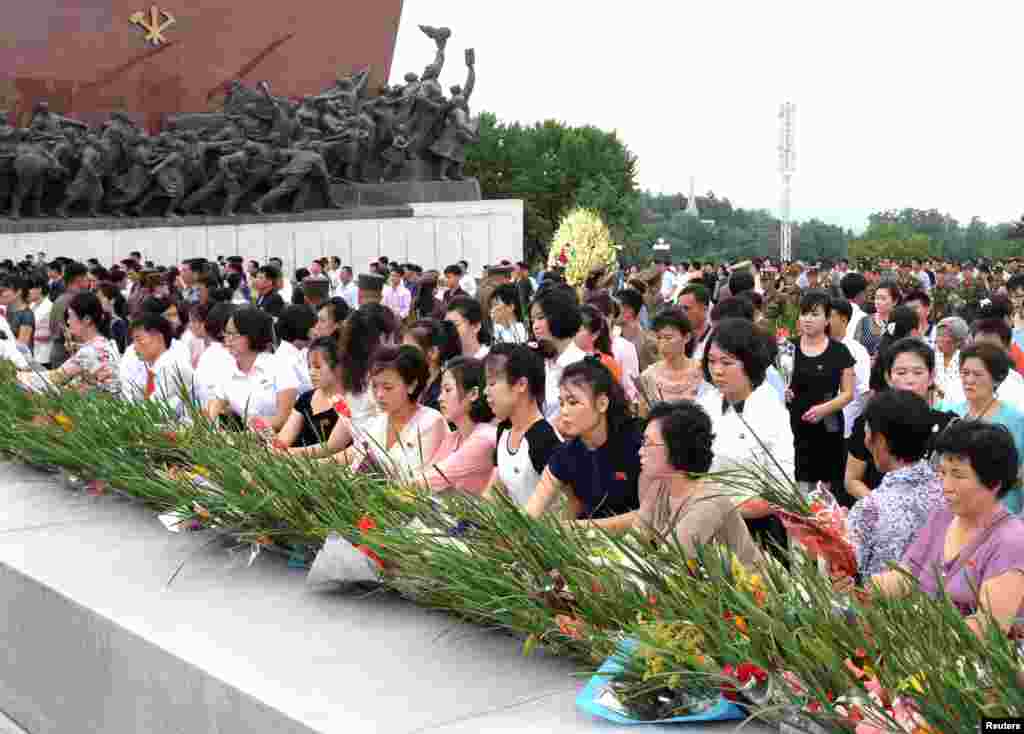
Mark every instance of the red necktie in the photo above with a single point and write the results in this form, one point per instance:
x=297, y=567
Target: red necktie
x=150, y=383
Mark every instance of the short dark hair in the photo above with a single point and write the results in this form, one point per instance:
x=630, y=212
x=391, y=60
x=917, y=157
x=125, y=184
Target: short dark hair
x=996, y=326
x=217, y=319
x=508, y=294
x=381, y=318
x=996, y=307
x=752, y=346
x=852, y=285
x=469, y=374
x=996, y=360
x=270, y=272
x=468, y=307
x=918, y=295
x=813, y=298
x=519, y=362
x=905, y=420
x=153, y=323
x=699, y=292
x=741, y=281
x=733, y=307
x=844, y=307
x=255, y=325
x=453, y=270
x=86, y=305
x=989, y=449
x=294, y=323
x=408, y=362
x=674, y=318
x=894, y=290
x=907, y=345
x=630, y=298
x=561, y=309
x=686, y=430
x=337, y=308
x=73, y=271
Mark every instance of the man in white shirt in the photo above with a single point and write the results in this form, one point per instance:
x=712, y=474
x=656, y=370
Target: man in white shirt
x=921, y=304
x=668, y=279
x=854, y=288
x=841, y=313
x=348, y=290
x=467, y=282
x=165, y=374
x=334, y=274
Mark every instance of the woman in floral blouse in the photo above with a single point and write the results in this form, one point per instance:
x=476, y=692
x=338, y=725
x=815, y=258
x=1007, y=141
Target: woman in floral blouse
x=898, y=431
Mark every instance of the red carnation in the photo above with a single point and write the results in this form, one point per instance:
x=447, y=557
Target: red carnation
x=341, y=407
x=782, y=333
x=366, y=524
x=746, y=671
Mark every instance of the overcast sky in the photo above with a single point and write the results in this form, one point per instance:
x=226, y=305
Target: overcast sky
x=902, y=103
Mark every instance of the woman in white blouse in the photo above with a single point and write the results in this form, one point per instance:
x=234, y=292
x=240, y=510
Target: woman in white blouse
x=750, y=423
x=215, y=363
x=41, y=306
x=406, y=435
x=256, y=390
x=294, y=328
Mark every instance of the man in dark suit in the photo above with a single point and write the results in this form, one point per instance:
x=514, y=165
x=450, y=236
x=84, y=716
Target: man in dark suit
x=265, y=285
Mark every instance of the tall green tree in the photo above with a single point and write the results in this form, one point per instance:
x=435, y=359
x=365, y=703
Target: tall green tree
x=554, y=167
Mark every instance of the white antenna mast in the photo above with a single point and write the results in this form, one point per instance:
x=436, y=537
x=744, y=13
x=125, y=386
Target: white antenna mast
x=787, y=166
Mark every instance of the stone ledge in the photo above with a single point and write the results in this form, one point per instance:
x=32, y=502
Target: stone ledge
x=95, y=641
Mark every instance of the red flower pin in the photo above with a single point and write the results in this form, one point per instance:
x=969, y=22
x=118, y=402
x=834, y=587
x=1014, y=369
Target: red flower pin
x=342, y=409
x=371, y=555
x=620, y=476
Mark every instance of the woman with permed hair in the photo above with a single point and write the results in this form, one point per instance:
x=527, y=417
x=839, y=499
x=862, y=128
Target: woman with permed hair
x=677, y=501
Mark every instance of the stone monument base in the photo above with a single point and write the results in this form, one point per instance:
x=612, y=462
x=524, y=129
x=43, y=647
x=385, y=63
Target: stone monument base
x=432, y=235
x=407, y=192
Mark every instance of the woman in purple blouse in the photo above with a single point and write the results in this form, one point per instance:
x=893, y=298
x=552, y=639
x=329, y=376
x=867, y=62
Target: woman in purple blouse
x=973, y=543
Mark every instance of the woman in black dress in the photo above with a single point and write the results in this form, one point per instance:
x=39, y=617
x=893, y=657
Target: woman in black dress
x=314, y=415
x=821, y=386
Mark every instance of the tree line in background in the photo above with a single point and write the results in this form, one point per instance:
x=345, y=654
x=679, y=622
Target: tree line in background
x=554, y=167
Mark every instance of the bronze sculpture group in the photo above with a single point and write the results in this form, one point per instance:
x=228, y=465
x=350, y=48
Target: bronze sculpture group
x=259, y=149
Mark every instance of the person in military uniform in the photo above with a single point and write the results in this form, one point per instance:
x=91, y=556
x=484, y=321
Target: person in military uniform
x=371, y=288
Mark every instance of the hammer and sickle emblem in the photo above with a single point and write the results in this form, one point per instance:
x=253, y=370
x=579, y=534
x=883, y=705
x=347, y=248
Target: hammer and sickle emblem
x=155, y=25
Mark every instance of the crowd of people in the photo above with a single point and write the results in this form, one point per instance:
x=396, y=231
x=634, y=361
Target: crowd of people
x=625, y=404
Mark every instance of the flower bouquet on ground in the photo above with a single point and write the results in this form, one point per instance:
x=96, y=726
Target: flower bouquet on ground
x=643, y=684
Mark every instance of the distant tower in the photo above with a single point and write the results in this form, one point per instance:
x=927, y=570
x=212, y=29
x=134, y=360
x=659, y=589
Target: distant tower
x=691, y=203
x=787, y=166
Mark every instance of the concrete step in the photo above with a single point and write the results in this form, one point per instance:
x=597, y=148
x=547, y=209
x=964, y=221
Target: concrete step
x=95, y=641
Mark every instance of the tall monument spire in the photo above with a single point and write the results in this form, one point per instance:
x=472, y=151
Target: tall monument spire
x=691, y=203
